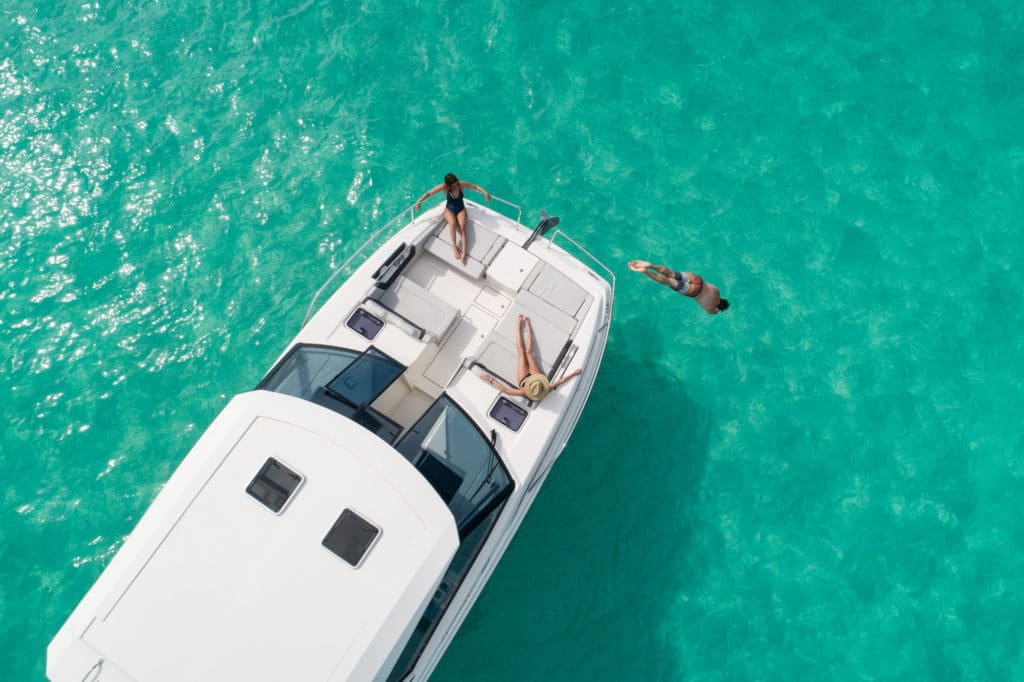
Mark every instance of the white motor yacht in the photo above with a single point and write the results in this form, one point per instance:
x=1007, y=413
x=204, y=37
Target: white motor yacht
x=339, y=521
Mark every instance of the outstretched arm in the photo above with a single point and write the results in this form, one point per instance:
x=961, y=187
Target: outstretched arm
x=477, y=188
x=659, y=278
x=559, y=382
x=429, y=193
x=502, y=387
x=661, y=274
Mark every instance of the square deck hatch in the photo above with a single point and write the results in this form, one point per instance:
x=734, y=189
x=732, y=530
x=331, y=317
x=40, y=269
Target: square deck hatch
x=273, y=485
x=351, y=537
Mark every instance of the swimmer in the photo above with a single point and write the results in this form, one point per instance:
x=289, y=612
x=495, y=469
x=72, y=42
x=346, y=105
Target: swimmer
x=688, y=284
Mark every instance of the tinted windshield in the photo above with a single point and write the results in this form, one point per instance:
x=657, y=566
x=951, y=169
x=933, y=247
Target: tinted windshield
x=453, y=455
x=307, y=370
x=444, y=445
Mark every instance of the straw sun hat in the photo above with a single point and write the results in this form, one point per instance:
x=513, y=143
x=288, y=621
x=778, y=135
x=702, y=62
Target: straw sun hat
x=536, y=386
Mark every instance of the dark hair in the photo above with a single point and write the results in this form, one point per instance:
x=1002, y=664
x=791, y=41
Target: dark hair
x=450, y=180
x=723, y=304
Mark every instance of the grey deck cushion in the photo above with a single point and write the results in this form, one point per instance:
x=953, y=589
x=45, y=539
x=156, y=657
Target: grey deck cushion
x=484, y=244
x=498, y=359
x=443, y=250
x=560, y=291
x=419, y=306
x=538, y=307
x=548, y=339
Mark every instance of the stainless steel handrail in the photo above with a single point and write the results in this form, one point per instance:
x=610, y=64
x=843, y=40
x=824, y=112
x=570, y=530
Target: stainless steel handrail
x=309, y=311
x=519, y=218
x=608, y=307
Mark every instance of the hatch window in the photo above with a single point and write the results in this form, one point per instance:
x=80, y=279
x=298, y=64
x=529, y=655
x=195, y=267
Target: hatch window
x=351, y=537
x=274, y=485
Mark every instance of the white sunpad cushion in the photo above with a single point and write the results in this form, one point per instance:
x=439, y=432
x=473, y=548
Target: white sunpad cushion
x=498, y=359
x=541, y=308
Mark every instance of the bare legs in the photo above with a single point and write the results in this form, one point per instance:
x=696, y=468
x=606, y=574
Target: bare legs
x=459, y=220
x=462, y=233
x=527, y=363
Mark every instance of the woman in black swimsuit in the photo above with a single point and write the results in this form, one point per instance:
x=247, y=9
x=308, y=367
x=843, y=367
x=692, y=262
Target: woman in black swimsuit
x=455, y=209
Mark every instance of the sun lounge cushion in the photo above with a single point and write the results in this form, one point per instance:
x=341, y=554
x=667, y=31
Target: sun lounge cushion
x=497, y=358
x=549, y=335
x=547, y=338
x=534, y=306
x=484, y=245
x=419, y=306
x=560, y=291
x=443, y=250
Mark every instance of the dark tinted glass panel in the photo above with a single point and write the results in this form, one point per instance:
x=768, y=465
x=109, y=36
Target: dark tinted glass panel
x=364, y=323
x=463, y=560
x=366, y=378
x=372, y=420
x=350, y=537
x=508, y=413
x=273, y=485
x=445, y=481
x=458, y=461
x=306, y=369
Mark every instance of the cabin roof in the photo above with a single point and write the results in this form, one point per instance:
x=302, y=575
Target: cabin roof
x=224, y=580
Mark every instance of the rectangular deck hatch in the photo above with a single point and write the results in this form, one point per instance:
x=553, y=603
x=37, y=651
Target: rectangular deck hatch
x=351, y=537
x=365, y=324
x=273, y=485
x=508, y=413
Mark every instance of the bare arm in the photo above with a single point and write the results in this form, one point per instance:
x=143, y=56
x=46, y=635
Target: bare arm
x=559, y=382
x=477, y=188
x=661, y=269
x=661, y=274
x=658, y=277
x=429, y=193
x=502, y=387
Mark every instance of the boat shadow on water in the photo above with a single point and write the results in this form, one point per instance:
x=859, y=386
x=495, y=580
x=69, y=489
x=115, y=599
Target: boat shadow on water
x=614, y=526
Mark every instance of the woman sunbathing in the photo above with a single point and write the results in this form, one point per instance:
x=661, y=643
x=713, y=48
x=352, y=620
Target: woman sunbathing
x=533, y=383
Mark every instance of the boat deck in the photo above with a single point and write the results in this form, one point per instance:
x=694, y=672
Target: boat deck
x=444, y=320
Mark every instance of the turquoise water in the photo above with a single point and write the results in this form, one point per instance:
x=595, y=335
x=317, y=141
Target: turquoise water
x=821, y=483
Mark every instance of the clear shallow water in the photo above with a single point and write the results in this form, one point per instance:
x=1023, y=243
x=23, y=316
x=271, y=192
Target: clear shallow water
x=822, y=483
